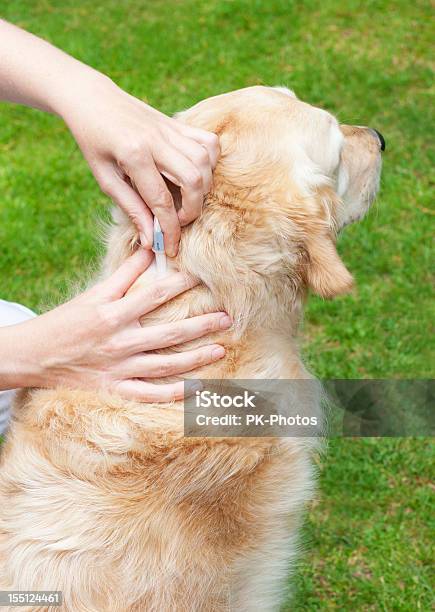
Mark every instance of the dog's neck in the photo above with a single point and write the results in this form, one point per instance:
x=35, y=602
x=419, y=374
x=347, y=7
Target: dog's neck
x=253, y=349
x=244, y=277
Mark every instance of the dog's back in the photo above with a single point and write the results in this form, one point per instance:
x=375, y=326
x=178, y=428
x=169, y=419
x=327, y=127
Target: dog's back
x=109, y=503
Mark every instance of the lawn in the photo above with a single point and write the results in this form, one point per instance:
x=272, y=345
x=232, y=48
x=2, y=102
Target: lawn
x=367, y=543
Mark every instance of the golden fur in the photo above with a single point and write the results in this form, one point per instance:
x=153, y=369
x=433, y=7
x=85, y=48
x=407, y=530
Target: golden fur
x=104, y=499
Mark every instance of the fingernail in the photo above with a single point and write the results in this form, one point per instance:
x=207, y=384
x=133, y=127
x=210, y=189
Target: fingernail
x=218, y=352
x=225, y=322
x=145, y=241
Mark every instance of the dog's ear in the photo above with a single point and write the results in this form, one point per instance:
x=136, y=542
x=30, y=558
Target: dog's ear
x=325, y=273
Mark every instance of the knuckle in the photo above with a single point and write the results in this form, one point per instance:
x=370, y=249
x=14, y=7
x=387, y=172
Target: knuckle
x=162, y=198
x=209, y=325
x=106, y=317
x=201, y=157
x=193, y=180
x=213, y=139
x=132, y=153
x=166, y=368
x=201, y=358
x=172, y=337
x=158, y=294
x=113, y=346
x=135, y=215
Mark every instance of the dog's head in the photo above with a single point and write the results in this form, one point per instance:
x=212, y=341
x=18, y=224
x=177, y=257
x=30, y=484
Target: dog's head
x=288, y=179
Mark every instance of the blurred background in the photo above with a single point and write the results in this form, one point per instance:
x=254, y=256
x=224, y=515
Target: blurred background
x=366, y=540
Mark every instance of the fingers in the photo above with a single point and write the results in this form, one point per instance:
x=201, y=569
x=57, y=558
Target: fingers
x=161, y=366
x=142, y=391
x=180, y=170
x=170, y=334
x=183, y=154
x=209, y=140
x=152, y=189
x=198, y=155
x=120, y=281
x=131, y=202
x=145, y=299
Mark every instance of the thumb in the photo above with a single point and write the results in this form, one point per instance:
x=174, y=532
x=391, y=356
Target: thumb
x=121, y=280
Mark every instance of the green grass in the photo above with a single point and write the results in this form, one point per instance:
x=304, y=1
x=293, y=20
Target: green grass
x=367, y=536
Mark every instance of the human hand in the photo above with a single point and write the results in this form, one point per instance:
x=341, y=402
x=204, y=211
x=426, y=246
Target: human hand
x=95, y=340
x=130, y=145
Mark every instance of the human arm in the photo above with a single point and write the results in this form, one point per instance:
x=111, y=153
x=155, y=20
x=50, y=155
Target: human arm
x=128, y=144
x=95, y=340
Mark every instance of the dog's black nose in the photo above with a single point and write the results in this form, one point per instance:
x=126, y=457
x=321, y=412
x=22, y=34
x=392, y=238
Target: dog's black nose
x=381, y=139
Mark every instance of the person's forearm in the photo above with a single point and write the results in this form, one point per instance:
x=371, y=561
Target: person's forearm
x=129, y=146
x=16, y=366
x=35, y=73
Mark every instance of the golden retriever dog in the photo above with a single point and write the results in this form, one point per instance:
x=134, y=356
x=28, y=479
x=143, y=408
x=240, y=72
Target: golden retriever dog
x=105, y=499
